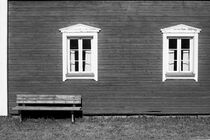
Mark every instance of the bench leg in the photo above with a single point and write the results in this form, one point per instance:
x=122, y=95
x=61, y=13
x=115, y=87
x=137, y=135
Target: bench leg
x=72, y=116
x=20, y=112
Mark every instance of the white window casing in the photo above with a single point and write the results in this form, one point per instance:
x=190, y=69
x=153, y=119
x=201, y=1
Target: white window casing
x=180, y=32
x=80, y=32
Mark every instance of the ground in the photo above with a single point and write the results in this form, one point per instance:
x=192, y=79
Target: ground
x=108, y=128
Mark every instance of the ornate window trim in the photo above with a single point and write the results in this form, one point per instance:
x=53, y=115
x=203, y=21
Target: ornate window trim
x=80, y=31
x=179, y=32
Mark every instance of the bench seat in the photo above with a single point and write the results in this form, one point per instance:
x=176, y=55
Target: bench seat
x=47, y=108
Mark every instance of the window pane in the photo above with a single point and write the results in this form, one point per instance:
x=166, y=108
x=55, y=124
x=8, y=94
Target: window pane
x=185, y=43
x=185, y=54
x=86, y=67
x=175, y=65
x=172, y=54
x=173, y=60
x=74, y=60
x=172, y=43
x=86, y=44
x=74, y=55
x=73, y=43
x=86, y=54
x=86, y=60
x=76, y=66
x=185, y=60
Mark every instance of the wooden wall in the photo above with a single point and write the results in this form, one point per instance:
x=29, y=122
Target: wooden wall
x=130, y=54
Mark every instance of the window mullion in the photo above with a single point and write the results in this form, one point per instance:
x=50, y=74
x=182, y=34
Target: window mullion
x=179, y=55
x=80, y=55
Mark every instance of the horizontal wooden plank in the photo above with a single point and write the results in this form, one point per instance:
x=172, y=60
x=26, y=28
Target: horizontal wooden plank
x=46, y=108
x=106, y=4
x=63, y=97
x=46, y=102
x=48, y=99
x=148, y=110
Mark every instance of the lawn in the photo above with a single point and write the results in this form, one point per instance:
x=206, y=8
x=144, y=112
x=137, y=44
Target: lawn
x=108, y=128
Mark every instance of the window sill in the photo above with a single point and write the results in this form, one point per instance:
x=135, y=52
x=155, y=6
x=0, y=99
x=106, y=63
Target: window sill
x=80, y=75
x=71, y=76
x=183, y=74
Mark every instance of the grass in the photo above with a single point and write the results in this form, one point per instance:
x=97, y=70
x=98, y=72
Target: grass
x=108, y=128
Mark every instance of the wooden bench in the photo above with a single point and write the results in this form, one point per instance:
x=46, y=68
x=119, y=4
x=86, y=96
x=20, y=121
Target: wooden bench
x=49, y=102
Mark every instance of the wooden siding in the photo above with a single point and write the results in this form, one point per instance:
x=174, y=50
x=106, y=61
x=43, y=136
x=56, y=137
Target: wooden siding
x=129, y=52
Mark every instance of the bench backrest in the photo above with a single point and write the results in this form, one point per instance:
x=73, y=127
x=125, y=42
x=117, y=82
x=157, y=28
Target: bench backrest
x=48, y=99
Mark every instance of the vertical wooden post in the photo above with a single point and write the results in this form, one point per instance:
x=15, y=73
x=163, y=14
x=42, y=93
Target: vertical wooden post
x=20, y=112
x=72, y=116
x=3, y=58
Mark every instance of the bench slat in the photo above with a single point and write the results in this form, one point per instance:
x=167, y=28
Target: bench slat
x=66, y=97
x=72, y=99
x=46, y=108
x=37, y=98
x=60, y=99
x=47, y=102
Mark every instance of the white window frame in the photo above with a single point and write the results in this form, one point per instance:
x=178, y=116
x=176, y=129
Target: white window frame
x=80, y=44
x=80, y=31
x=179, y=54
x=179, y=32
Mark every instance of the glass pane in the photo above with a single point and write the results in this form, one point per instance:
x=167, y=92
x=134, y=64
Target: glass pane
x=185, y=58
x=74, y=55
x=172, y=54
x=172, y=60
x=175, y=65
x=73, y=43
x=86, y=44
x=86, y=54
x=73, y=60
x=171, y=67
x=172, y=43
x=86, y=60
x=76, y=66
x=186, y=67
x=185, y=54
x=86, y=67
x=185, y=43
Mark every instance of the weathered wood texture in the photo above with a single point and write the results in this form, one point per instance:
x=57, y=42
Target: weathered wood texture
x=48, y=103
x=48, y=99
x=45, y=102
x=130, y=54
x=47, y=108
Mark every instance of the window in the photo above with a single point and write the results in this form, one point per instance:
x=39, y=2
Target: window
x=180, y=52
x=79, y=55
x=80, y=48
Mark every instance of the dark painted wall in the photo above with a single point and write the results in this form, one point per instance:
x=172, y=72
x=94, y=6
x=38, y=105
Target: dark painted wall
x=130, y=54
